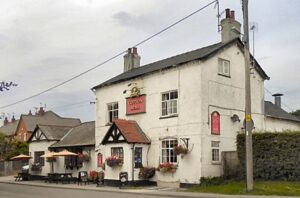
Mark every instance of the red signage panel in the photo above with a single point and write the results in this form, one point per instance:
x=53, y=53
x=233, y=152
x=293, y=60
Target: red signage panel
x=215, y=123
x=136, y=105
x=100, y=159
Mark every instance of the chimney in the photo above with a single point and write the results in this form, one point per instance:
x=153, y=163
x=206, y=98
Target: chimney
x=131, y=59
x=41, y=111
x=277, y=98
x=13, y=119
x=5, y=122
x=29, y=112
x=231, y=28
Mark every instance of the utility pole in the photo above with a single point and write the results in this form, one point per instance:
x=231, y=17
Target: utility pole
x=248, y=119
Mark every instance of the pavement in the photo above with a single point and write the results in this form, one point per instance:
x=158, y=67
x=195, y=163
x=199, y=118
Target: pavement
x=159, y=191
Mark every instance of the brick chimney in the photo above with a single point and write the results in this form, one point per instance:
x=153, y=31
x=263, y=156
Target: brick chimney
x=231, y=28
x=41, y=111
x=5, y=122
x=131, y=59
x=13, y=119
x=29, y=112
x=277, y=99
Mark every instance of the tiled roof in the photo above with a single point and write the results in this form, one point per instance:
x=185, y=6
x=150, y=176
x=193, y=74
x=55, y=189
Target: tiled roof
x=131, y=131
x=198, y=54
x=10, y=128
x=271, y=110
x=48, y=118
x=53, y=132
x=81, y=135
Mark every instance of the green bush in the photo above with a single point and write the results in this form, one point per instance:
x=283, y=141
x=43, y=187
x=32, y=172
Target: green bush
x=276, y=156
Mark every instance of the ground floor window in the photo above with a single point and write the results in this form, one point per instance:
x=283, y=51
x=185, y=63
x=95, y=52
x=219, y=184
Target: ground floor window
x=117, y=152
x=38, y=159
x=73, y=161
x=167, y=151
x=215, y=151
x=138, y=152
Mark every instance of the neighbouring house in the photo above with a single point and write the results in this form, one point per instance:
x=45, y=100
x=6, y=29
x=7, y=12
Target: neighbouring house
x=27, y=123
x=278, y=119
x=80, y=140
x=177, y=114
x=42, y=138
x=9, y=128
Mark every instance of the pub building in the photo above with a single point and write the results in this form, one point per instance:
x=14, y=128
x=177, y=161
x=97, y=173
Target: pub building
x=177, y=115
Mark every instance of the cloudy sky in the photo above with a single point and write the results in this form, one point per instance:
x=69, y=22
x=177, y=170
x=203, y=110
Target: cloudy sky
x=44, y=42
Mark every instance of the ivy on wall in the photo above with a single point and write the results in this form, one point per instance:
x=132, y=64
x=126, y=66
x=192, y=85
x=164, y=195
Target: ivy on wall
x=276, y=156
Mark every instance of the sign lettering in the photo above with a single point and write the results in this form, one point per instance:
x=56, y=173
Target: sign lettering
x=136, y=105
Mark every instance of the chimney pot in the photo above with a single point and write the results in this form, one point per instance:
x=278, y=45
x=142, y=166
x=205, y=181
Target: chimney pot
x=129, y=51
x=13, y=119
x=41, y=111
x=232, y=15
x=29, y=112
x=277, y=98
x=227, y=15
x=134, y=50
x=5, y=121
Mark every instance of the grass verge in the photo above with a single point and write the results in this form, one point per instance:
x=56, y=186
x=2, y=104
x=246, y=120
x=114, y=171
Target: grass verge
x=260, y=188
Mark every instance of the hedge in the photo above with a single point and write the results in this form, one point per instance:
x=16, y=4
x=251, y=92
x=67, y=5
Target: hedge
x=276, y=156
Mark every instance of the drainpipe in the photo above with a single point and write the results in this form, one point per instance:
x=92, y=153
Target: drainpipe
x=132, y=170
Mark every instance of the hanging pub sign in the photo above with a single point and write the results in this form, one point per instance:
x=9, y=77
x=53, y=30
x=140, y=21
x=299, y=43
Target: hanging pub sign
x=136, y=105
x=215, y=123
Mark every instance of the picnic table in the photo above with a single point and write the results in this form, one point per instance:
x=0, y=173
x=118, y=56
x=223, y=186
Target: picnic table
x=22, y=176
x=61, y=177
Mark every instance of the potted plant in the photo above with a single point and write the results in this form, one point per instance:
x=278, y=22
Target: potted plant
x=113, y=161
x=167, y=167
x=180, y=150
x=84, y=156
x=146, y=172
x=93, y=175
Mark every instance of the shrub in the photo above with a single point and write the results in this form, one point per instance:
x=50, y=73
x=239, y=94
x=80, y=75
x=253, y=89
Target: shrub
x=275, y=155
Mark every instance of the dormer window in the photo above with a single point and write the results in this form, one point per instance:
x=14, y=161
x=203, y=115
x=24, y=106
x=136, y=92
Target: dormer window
x=224, y=67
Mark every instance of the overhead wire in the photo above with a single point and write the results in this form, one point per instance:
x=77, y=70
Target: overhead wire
x=109, y=59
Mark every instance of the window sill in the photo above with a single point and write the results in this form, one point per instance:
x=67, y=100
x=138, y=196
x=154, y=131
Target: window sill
x=224, y=75
x=216, y=163
x=108, y=124
x=169, y=116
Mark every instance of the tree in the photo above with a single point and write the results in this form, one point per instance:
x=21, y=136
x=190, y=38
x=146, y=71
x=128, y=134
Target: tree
x=296, y=113
x=9, y=147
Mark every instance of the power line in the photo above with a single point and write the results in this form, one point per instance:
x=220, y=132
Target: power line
x=281, y=101
x=109, y=59
x=72, y=104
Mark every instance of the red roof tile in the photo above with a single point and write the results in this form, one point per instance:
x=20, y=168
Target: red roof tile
x=131, y=131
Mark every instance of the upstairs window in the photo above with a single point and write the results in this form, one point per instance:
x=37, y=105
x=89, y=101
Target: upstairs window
x=167, y=151
x=169, y=103
x=113, y=111
x=224, y=67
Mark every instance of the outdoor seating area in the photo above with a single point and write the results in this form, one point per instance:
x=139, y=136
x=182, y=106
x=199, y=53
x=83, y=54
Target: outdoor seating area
x=22, y=176
x=64, y=178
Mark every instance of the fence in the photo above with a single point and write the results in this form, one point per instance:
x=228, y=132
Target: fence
x=10, y=167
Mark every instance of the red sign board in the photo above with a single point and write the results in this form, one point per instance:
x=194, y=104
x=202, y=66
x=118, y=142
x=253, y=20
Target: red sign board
x=215, y=123
x=136, y=105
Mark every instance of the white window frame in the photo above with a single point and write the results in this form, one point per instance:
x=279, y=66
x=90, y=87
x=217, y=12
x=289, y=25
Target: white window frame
x=170, y=106
x=224, y=67
x=215, y=152
x=113, y=110
x=167, y=151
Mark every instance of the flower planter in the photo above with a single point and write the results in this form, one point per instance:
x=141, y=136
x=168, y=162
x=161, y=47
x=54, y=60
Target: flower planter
x=146, y=172
x=114, y=161
x=180, y=150
x=167, y=167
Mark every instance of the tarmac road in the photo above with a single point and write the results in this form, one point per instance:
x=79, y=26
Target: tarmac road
x=24, y=191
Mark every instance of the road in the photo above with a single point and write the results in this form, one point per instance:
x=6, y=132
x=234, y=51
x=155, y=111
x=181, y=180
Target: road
x=25, y=191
